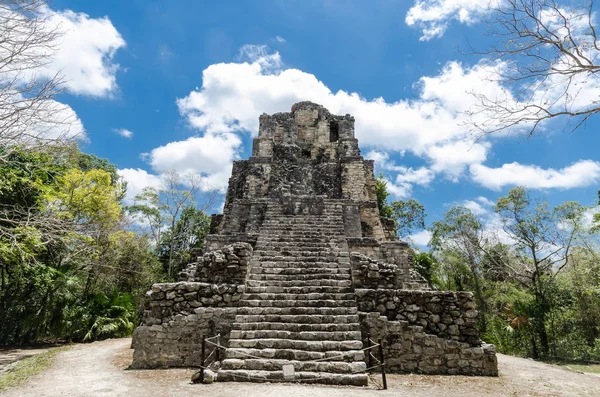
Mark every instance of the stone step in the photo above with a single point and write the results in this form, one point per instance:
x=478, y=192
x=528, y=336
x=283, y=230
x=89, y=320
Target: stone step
x=296, y=327
x=335, y=237
x=299, y=277
x=299, y=310
x=297, y=318
x=297, y=355
x=293, y=270
x=329, y=227
x=325, y=289
x=324, y=303
x=302, y=335
x=262, y=364
x=279, y=261
x=292, y=263
x=309, y=345
x=321, y=220
x=311, y=296
x=308, y=230
x=301, y=254
x=324, y=219
x=298, y=245
x=302, y=237
x=299, y=283
x=327, y=378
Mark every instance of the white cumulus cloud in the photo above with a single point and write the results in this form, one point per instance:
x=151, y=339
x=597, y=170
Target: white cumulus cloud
x=210, y=157
x=233, y=95
x=124, y=132
x=406, y=177
x=137, y=179
x=580, y=174
x=85, y=53
x=433, y=16
x=75, y=48
x=421, y=238
x=432, y=126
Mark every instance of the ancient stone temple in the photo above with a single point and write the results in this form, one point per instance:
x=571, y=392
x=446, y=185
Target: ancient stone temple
x=300, y=268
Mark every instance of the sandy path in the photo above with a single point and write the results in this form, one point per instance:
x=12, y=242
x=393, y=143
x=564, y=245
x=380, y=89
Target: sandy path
x=99, y=369
x=9, y=357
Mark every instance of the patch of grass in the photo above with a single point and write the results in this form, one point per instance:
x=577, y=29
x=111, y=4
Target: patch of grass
x=28, y=367
x=591, y=368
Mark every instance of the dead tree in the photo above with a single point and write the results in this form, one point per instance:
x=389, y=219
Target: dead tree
x=29, y=115
x=546, y=59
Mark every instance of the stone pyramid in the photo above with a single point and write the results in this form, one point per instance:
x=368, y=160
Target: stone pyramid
x=300, y=268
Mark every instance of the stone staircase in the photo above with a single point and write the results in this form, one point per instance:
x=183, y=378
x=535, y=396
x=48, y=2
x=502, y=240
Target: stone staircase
x=299, y=307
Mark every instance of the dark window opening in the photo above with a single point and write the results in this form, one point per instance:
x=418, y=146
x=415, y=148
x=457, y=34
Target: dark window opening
x=334, y=131
x=367, y=231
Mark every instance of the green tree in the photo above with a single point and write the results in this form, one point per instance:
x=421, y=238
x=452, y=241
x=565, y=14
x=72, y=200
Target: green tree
x=385, y=209
x=544, y=238
x=163, y=209
x=62, y=248
x=427, y=265
x=185, y=239
x=408, y=215
x=462, y=232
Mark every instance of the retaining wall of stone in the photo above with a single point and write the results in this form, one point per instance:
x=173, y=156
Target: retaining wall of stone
x=382, y=257
x=164, y=301
x=449, y=315
x=178, y=341
x=370, y=273
x=226, y=265
x=409, y=349
x=176, y=316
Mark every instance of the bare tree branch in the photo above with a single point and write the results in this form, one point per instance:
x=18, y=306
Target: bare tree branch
x=546, y=59
x=29, y=115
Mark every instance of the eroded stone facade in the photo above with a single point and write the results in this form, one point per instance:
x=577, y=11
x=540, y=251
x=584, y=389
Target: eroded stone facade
x=300, y=268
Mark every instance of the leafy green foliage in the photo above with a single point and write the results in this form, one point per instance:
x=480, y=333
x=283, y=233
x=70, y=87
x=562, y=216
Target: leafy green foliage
x=186, y=238
x=103, y=317
x=68, y=267
x=88, y=162
x=427, y=266
x=408, y=215
x=176, y=225
x=385, y=209
x=539, y=295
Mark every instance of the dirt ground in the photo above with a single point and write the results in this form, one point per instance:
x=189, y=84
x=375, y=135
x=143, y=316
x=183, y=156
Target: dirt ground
x=9, y=357
x=100, y=369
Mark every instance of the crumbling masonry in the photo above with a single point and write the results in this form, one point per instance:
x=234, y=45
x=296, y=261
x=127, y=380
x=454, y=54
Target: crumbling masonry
x=300, y=267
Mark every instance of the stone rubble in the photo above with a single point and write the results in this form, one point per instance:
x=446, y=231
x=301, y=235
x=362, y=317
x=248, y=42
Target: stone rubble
x=300, y=268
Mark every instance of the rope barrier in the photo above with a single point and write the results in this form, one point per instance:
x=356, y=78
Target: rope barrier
x=219, y=346
x=316, y=360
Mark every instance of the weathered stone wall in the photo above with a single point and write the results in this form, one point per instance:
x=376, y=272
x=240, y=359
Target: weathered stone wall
x=176, y=316
x=178, y=341
x=369, y=273
x=164, y=301
x=449, y=315
x=226, y=265
x=214, y=242
x=384, y=259
x=408, y=349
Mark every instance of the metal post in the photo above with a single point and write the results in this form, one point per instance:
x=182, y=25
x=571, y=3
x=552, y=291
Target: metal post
x=382, y=364
x=202, y=358
x=370, y=361
x=218, y=348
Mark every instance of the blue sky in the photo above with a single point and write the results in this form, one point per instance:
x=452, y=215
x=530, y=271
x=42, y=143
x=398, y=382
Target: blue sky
x=188, y=80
